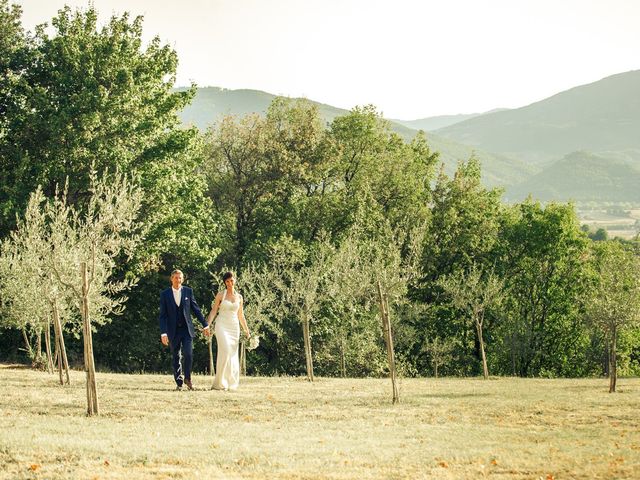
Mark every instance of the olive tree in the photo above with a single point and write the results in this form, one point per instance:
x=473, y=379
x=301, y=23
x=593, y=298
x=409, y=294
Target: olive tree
x=474, y=292
x=378, y=262
x=260, y=302
x=88, y=245
x=32, y=297
x=440, y=352
x=614, y=303
x=298, y=277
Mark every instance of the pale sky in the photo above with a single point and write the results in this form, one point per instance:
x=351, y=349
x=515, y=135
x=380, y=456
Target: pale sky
x=410, y=58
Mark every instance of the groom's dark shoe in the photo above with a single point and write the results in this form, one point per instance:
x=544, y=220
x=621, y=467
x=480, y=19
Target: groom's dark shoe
x=189, y=384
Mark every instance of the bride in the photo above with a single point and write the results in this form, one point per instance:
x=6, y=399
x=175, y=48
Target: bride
x=228, y=306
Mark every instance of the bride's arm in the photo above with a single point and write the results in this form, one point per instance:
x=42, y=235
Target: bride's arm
x=214, y=309
x=243, y=322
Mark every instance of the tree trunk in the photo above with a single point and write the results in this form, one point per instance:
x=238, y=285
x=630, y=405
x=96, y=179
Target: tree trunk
x=435, y=368
x=58, y=359
x=307, y=348
x=513, y=354
x=61, y=350
x=89, y=365
x=47, y=343
x=485, y=369
x=388, y=340
x=27, y=343
x=343, y=359
x=613, y=369
x=243, y=358
x=39, y=362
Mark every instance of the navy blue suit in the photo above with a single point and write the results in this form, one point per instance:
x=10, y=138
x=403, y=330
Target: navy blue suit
x=175, y=322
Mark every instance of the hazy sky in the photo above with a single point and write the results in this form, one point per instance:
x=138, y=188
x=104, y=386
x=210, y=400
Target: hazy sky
x=410, y=58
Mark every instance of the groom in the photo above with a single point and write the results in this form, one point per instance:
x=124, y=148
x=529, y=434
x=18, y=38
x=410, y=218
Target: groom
x=176, y=327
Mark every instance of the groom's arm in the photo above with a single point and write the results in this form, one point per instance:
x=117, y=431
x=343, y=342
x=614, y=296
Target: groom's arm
x=198, y=312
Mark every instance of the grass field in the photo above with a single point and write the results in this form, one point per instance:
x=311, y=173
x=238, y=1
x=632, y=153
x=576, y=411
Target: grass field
x=286, y=428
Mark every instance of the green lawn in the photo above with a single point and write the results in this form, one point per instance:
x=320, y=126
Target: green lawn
x=334, y=428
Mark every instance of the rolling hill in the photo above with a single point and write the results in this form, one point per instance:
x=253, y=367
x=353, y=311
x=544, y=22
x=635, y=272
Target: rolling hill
x=601, y=116
x=212, y=103
x=585, y=177
x=434, y=123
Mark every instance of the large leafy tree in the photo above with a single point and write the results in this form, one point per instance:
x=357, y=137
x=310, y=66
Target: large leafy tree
x=85, y=97
x=254, y=167
x=12, y=42
x=12, y=52
x=283, y=179
x=371, y=162
x=462, y=235
x=12, y=45
x=543, y=260
x=464, y=223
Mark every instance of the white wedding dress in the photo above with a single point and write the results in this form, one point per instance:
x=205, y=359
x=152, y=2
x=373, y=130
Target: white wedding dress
x=228, y=337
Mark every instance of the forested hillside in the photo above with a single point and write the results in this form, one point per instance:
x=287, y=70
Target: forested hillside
x=584, y=177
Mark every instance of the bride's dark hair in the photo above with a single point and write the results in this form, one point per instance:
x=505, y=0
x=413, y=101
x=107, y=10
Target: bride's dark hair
x=227, y=276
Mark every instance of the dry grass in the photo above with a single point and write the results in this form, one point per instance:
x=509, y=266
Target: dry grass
x=616, y=225
x=287, y=428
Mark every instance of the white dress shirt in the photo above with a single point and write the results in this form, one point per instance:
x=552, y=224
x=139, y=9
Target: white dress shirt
x=177, y=295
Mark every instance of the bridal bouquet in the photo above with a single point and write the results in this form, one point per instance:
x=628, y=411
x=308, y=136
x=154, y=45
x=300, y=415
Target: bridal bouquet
x=254, y=341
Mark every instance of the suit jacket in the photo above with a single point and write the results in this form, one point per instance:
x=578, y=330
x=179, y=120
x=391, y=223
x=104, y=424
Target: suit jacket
x=169, y=312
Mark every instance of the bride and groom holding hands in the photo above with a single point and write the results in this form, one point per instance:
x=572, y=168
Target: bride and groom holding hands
x=177, y=332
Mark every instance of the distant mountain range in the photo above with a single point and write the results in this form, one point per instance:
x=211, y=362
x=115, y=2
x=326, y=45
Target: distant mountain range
x=434, y=123
x=582, y=144
x=601, y=116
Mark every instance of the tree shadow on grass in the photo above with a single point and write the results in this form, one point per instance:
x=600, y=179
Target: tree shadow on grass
x=158, y=388
x=17, y=366
x=453, y=396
